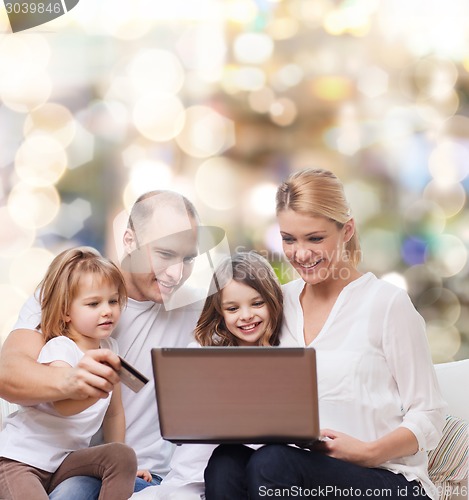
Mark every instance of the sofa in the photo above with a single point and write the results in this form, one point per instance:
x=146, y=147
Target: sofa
x=448, y=463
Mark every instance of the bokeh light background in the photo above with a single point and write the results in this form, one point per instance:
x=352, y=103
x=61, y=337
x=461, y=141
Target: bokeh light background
x=221, y=100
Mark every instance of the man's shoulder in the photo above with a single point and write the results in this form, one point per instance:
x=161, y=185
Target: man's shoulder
x=30, y=314
x=186, y=300
x=139, y=320
x=187, y=307
x=183, y=313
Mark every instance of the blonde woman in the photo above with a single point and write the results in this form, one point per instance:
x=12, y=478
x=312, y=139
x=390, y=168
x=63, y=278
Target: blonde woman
x=380, y=406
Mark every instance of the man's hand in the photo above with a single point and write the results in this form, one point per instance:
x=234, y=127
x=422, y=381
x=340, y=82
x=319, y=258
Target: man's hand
x=94, y=376
x=74, y=405
x=25, y=381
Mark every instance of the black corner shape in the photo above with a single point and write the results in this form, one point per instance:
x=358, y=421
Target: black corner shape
x=26, y=14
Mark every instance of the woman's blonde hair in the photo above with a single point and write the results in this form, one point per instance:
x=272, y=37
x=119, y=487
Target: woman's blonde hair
x=318, y=192
x=60, y=286
x=252, y=270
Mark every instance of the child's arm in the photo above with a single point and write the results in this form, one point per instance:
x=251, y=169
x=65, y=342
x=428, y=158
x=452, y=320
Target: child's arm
x=114, y=420
x=68, y=407
x=145, y=474
x=114, y=425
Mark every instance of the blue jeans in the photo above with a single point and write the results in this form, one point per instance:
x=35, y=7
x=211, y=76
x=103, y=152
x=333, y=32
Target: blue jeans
x=236, y=472
x=87, y=488
x=77, y=488
x=141, y=484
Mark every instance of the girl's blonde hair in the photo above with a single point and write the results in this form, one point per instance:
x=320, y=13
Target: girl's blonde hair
x=252, y=270
x=60, y=286
x=318, y=192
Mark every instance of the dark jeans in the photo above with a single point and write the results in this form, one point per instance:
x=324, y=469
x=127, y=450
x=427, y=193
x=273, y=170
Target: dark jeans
x=236, y=472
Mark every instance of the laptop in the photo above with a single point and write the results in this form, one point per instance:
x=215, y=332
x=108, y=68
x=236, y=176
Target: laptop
x=246, y=395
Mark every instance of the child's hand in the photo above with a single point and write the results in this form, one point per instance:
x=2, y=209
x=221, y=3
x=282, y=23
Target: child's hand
x=144, y=474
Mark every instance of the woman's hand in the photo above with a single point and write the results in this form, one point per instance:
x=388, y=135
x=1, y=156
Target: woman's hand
x=400, y=442
x=145, y=474
x=344, y=447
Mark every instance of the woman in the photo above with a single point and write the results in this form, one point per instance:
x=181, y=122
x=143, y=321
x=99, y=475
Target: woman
x=380, y=406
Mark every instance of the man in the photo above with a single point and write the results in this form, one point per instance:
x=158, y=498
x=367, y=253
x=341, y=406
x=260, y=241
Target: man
x=159, y=246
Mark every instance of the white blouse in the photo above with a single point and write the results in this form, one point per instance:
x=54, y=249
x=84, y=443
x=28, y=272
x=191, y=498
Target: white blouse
x=375, y=371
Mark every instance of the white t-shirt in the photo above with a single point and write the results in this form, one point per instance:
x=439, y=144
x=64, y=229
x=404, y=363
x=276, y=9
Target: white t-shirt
x=188, y=463
x=186, y=477
x=143, y=325
x=39, y=435
x=375, y=371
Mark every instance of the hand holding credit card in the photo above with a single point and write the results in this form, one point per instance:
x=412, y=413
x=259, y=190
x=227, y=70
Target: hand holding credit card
x=131, y=377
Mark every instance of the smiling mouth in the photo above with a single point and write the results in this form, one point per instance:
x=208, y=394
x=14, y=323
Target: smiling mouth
x=250, y=327
x=309, y=266
x=169, y=287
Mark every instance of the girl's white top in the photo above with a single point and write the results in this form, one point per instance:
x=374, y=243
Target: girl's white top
x=38, y=435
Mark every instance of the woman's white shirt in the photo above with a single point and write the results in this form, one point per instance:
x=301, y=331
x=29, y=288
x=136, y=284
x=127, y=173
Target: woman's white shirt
x=375, y=371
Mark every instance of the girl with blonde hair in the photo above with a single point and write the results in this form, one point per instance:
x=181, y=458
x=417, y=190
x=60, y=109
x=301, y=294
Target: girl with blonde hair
x=81, y=296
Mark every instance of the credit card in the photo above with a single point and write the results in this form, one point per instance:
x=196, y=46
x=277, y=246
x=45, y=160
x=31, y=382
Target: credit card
x=130, y=376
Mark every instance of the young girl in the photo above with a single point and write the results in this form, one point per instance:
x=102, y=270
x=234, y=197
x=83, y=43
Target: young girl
x=245, y=310
x=81, y=298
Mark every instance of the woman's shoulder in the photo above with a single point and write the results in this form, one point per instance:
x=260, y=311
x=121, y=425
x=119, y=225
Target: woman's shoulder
x=294, y=286
x=382, y=289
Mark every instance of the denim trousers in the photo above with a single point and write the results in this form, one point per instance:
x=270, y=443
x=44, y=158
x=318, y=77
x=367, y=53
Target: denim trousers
x=237, y=472
x=88, y=488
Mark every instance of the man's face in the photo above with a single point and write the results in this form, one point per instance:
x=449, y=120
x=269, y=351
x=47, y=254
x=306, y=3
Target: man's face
x=164, y=261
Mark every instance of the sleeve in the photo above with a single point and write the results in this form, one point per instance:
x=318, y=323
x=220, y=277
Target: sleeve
x=30, y=314
x=408, y=357
x=60, y=349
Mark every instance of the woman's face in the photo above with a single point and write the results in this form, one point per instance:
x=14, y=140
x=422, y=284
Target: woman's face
x=315, y=246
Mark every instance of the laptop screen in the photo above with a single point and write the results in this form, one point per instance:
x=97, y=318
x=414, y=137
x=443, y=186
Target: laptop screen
x=236, y=394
